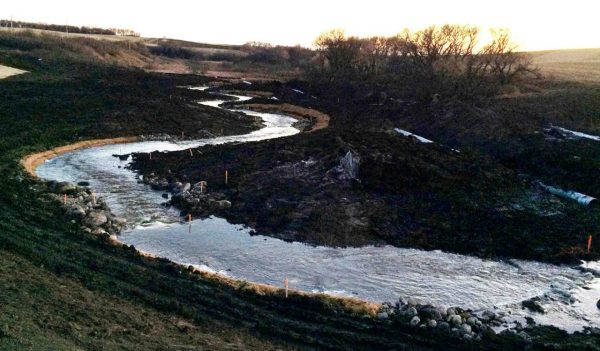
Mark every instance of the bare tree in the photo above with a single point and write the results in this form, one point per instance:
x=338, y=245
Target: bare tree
x=502, y=59
x=435, y=60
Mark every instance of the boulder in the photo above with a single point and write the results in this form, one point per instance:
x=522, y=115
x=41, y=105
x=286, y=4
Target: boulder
x=465, y=328
x=487, y=316
x=451, y=311
x=95, y=219
x=533, y=305
x=432, y=323
x=454, y=319
x=415, y=321
x=430, y=312
x=598, y=304
x=382, y=315
x=65, y=188
x=223, y=204
x=411, y=312
x=443, y=326
x=472, y=321
x=75, y=211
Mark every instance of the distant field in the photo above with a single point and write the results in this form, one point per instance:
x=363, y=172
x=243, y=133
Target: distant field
x=581, y=65
x=148, y=41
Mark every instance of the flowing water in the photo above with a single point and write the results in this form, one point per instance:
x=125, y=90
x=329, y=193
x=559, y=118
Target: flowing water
x=372, y=273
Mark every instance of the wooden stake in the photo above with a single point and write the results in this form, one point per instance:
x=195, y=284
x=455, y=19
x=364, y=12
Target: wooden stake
x=65, y=199
x=190, y=221
x=286, y=284
x=94, y=197
x=589, y=244
x=150, y=155
x=191, y=154
x=226, y=177
x=201, y=187
x=182, y=135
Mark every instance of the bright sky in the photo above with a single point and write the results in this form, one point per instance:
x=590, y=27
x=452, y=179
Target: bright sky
x=535, y=24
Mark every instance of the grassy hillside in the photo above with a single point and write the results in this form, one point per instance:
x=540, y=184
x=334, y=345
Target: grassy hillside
x=581, y=65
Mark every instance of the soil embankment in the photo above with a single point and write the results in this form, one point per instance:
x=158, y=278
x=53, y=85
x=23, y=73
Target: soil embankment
x=316, y=120
x=31, y=162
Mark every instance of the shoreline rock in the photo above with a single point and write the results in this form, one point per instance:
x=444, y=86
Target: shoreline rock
x=93, y=214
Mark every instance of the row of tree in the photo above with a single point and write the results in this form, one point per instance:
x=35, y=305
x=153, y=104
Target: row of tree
x=448, y=60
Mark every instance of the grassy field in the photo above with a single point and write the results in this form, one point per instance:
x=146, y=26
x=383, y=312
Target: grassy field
x=582, y=65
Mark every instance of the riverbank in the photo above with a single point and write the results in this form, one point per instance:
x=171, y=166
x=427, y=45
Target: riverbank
x=31, y=162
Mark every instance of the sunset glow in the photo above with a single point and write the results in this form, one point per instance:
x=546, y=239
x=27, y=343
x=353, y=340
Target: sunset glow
x=535, y=25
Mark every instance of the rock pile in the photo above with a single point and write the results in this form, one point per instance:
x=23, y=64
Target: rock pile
x=194, y=199
x=462, y=324
x=93, y=213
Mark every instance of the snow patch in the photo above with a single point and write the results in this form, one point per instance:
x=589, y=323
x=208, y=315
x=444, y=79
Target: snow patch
x=409, y=134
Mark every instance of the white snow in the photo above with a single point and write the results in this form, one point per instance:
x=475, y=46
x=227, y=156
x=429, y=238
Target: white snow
x=409, y=134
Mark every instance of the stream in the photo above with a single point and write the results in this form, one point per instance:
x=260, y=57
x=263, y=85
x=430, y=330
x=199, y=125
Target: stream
x=568, y=295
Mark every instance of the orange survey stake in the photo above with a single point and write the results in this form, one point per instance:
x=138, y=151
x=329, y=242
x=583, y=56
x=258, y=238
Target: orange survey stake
x=589, y=244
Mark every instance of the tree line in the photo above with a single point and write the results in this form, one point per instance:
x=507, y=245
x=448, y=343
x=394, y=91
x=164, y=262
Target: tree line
x=447, y=61
x=67, y=28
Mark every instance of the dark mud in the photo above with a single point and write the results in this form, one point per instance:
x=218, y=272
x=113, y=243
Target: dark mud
x=395, y=191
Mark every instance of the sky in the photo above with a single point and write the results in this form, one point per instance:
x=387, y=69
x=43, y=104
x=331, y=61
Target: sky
x=534, y=24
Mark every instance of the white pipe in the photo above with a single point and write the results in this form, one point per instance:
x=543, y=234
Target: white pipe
x=583, y=199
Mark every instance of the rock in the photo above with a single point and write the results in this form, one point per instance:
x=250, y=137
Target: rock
x=533, y=305
x=415, y=321
x=165, y=196
x=430, y=312
x=382, y=315
x=598, y=304
x=451, y=311
x=454, y=319
x=186, y=187
x=200, y=187
x=431, y=323
x=119, y=222
x=411, y=312
x=467, y=337
x=442, y=312
x=487, y=316
x=99, y=231
x=65, y=188
x=348, y=167
x=443, y=326
x=466, y=328
x=524, y=336
x=75, y=211
x=83, y=183
x=95, y=219
x=412, y=302
x=223, y=204
x=472, y=321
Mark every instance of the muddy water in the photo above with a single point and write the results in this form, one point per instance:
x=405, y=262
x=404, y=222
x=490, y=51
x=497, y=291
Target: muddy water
x=372, y=273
